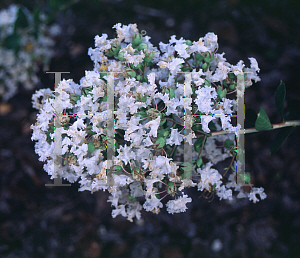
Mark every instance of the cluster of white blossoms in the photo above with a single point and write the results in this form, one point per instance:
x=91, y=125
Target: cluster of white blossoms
x=150, y=101
x=26, y=42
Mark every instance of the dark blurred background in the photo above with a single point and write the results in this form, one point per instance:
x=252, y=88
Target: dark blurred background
x=39, y=221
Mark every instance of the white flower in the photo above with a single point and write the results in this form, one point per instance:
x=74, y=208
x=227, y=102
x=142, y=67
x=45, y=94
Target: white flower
x=121, y=180
x=178, y=205
x=152, y=204
x=154, y=124
x=174, y=66
x=181, y=50
x=162, y=163
x=175, y=138
x=133, y=135
x=203, y=100
x=125, y=154
x=209, y=176
x=254, y=192
x=188, y=138
x=254, y=64
x=224, y=193
x=186, y=183
x=238, y=68
x=205, y=121
x=136, y=189
x=210, y=41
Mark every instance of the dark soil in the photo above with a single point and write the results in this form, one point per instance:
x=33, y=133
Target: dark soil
x=39, y=221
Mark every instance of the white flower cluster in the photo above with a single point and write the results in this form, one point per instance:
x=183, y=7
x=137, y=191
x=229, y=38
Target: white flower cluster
x=149, y=109
x=25, y=43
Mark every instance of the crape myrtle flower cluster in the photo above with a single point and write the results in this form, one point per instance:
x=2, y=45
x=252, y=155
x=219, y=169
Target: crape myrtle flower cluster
x=150, y=103
x=26, y=42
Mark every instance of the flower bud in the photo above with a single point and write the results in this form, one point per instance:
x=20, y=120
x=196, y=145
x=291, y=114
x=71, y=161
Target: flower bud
x=208, y=57
x=199, y=57
x=221, y=93
x=137, y=39
x=143, y=46
x=188, y=42
x=231, y=86
x=115, y=49
x=121, y=56
x=204, y=66
x=228, y=143
x=149, y=56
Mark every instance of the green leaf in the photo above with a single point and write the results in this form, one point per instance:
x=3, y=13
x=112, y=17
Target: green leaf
x=91, y=147
x=171, y=93
x=250, y=118
x=161, y=142
x=198, y=144
x=117, y=168
x=212, y=126
x=144, y=99
x=21, y=21
x=280, y=98
x=280, y=138
x=262, y=122
x=199, y=162
x=228, y=143
x=12, y=41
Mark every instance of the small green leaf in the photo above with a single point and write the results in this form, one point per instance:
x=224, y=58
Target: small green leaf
x=198, y=144
x=228, y=143
x=212, y=126
x=161, y=142
x=197, y=127
x=91, y=147
x=21, y=21
x=262, y=122
x=172, y=188
x=171, y=93
x=250, y=118
x=280, y=138
x=144, y=99
x=12, y=41
x=280, y=98
x=117, y=168
x=163, y=121
x=199, y=162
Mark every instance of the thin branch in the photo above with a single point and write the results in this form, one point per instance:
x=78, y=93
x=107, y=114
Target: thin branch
x=253, y=130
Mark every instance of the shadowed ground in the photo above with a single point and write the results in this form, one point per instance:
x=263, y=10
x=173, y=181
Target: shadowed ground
x=39, y=221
